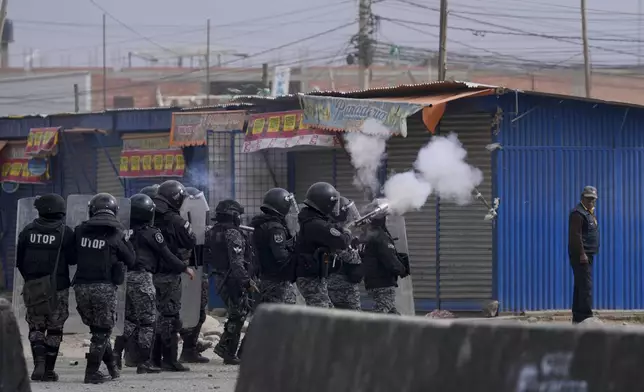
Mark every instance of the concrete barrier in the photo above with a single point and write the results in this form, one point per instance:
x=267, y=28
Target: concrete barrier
x=13, y=368
x=300, y=349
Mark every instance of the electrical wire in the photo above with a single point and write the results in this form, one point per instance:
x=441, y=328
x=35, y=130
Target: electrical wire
x=167, y=78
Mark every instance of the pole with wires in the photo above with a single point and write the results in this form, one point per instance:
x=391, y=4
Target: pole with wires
x=364, y=43
x=442, y=49
x=104, y=62
x=208, y=63
x=4, y=46
x=584, y=35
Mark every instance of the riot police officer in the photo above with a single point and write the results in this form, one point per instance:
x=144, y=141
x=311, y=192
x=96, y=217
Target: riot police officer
x=150, y=190
x=319, y=238
x=178, y=236
x=345, y=274
x=102, y=247
x=131, y=349
x=225, y=250
x=46, y=247
x=381, y=263
x=274, y=246
x=152, y=256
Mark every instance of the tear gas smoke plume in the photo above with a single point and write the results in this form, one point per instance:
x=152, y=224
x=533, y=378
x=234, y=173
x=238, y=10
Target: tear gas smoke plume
x=367, y=150
x=440, y=167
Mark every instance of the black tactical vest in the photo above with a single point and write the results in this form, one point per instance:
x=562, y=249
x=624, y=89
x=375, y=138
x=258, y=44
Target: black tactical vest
x=219, y=259
x=590, y=230
x=94, y=254
x=41, y=250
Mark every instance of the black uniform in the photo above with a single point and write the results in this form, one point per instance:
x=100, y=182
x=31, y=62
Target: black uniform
x=274, y=246
x=583, y=240
x=45, y=245
x=319, y=239
x=152, y=255
x=178, y=236
x=102, y=250
x=225, y=251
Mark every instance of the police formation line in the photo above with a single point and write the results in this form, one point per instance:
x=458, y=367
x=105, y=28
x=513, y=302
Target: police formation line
x=138, y=269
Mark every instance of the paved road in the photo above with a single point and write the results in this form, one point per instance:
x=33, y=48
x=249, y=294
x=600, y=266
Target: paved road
x=210, y=377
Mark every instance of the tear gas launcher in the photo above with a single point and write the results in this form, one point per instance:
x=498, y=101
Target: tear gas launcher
x=381, y=210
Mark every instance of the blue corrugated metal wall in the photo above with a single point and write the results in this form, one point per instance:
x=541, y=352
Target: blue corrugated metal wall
x=552, y=148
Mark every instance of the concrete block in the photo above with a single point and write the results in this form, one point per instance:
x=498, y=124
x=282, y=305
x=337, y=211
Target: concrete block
x=295, y=349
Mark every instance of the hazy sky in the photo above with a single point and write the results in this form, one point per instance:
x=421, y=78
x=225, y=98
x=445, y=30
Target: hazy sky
x=69, y=32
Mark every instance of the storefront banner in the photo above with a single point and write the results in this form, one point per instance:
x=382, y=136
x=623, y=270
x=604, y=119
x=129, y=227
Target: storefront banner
x=134, y=142
x=284, y=130
x=351, y=115
x=191, y=128
x=152, y=163
x=17, y=170
x=42, y=142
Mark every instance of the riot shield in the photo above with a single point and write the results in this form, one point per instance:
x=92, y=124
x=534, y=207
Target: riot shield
x=26, y=214
x=77, y=213
x=404, y=291
x=195, y=210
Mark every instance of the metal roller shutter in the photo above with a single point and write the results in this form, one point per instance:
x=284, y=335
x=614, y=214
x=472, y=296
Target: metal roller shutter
x=344, y=174
x=312, y=166
x=107, y=179
x=256, y=173
x=465, y=253
x=421, y=225
x=79, y=166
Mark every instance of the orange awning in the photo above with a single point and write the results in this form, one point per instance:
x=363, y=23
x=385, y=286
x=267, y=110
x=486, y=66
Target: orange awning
x=435, y=104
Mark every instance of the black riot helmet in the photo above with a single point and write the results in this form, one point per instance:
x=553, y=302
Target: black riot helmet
x=277, y=201
x=103, y=203
x=323, y=197
x=229, y=211
x=50, y=206
x=150, y=190
x=142, y=208
x=173, y=192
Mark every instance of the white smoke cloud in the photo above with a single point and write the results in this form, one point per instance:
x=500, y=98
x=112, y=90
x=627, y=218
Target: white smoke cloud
x=440, y=167
x=442, y=164
x=406, y=192
x=367, y=150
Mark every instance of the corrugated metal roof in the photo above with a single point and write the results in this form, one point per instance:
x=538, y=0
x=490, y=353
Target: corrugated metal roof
x=406, y=90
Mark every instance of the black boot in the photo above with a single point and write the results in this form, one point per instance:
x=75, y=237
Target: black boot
x=170, y=354
x=108, y=360
x=241, y=348
x=131, y=351
x=157, y=351
x=50, y=363
x=119, y=345
x=145, y=366
x=227, y=349
x=38, y=351
x=189, y=353
x=92, y=374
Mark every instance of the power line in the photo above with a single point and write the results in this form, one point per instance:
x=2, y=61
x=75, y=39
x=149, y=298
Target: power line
x=193, y=71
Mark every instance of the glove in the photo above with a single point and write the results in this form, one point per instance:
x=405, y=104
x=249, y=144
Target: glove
x=184, y=254
x=252, y=287
x=346, y=231
x=127, y=234
x=355, y=242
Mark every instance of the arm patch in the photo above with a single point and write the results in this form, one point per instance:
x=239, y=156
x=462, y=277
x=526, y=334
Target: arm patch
x=335, y=232
x=158, y=238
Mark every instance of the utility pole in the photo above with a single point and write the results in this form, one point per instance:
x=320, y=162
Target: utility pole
x=364, y=43
x=265, y=81
x=104, y=62
x=584, y=34
x=639, y=32
x=76, y=99
x=208, y=63
x=442, y=48
x=4, y=59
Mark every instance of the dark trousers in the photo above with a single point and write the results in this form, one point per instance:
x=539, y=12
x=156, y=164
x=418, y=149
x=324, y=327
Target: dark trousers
x=582, y=293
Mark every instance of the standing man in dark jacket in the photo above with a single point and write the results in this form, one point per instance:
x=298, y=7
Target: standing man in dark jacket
x=41, y=244
x=178, y=236
x=101, y=246
x=152, y=255
x=320, y=238
x=583, y=245
x=225, y=251
x=381, y=264
x=274, y=246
